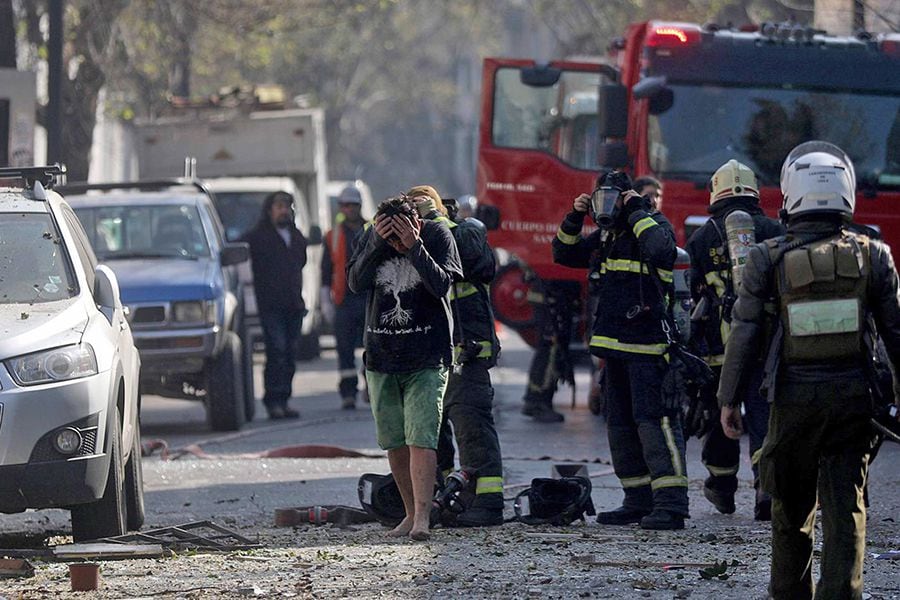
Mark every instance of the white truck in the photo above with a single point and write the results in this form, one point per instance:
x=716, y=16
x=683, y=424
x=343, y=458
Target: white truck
x=243, y=155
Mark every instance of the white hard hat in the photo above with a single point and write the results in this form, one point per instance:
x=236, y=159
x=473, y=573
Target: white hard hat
x=467, y=202
x=732, y=180
x=818, y=177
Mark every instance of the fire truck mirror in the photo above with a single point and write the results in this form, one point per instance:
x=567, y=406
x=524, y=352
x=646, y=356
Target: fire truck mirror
x=648, y=87
x=489, y=215
x=540, y=76
x=613, y=155
x=661, y=102
x=612, y=110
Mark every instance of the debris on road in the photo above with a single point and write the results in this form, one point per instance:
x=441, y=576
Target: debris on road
x=320, y=515
x=107, y=551
x=198, y=535
x=84, y=577
x=15, y=568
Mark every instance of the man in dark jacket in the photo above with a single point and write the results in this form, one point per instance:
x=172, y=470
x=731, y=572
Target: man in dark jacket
x=828, y=284
x=732, y=187
x=407, y=266
x=469, y=399
x=632, y=333
x=277, y=256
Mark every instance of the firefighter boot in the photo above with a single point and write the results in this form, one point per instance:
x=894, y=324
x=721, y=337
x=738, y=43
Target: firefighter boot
x=662, y=520
x=720, y=492
x=621, y=516
x=486, y=511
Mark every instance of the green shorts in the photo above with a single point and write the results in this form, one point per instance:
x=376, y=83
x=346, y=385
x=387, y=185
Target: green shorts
x=407, y=407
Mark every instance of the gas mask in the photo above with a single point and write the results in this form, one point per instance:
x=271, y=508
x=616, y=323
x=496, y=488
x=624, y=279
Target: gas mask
x=603, y=206
x=604, y=209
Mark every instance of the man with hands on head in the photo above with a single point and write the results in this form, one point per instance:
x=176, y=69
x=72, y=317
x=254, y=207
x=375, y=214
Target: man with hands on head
x=407, y=266
x=631, y=257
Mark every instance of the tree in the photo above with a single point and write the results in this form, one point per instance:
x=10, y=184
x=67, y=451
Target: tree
x=7, y=35
x=396, y=276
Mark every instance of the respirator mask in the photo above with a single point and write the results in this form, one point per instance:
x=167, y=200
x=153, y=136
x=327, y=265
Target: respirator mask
x=604, y=209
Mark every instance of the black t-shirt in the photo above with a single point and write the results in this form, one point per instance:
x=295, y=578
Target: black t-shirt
x=408, y=317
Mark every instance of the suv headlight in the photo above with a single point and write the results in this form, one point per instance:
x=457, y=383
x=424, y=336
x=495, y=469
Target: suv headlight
x=59, y=364
x=194, y=312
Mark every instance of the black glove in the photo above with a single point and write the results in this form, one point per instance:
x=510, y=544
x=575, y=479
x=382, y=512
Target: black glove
x=634, y=204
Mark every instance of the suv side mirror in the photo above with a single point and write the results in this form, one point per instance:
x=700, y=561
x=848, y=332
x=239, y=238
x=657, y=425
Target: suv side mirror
x=489, y=215
x=234, y=253
x=315, y=235
x=106, y=292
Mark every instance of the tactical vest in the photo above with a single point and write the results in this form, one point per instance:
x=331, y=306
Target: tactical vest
x=822, y=292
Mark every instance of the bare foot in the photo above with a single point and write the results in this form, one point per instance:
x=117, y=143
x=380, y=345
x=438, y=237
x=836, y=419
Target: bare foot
x=419, y=532
x=404, y=528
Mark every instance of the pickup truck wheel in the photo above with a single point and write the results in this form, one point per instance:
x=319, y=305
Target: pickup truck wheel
x=225, y=405
x=134, y=483
x=106, y=516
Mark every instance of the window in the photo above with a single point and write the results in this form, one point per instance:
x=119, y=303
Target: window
x=560, y=119
x=34, y=266
x=148, y=231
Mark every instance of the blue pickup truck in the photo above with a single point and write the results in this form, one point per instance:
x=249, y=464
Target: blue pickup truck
x=178, y=277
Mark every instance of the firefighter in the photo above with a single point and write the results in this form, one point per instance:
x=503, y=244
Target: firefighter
x=468, y=401
x=833, y=289
x=345, y=309
x=733, y=187
x=554, y=305
x=634, y=276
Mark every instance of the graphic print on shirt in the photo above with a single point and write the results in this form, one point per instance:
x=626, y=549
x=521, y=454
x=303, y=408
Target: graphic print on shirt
x=394, y=277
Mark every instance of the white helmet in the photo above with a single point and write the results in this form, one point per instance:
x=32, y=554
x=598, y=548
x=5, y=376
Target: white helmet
x=818, y=177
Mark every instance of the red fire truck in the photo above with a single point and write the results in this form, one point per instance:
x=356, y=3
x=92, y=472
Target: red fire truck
x=677, y=100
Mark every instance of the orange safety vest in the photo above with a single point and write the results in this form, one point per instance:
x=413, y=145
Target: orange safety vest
x=338, y=245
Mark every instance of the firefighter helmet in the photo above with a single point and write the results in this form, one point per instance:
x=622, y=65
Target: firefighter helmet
x=818, y=177
x=732, y=180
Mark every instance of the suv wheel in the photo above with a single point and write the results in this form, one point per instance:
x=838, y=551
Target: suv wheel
x=225, y=404
x=106, y=516
x=247, y=361
x=134, y=483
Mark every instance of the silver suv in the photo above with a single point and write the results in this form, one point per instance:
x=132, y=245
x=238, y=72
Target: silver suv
x=69, y=371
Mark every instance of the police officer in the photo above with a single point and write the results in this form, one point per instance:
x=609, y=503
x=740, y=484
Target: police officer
x=827, y=283
x=732, y=187
x=634, y=276
x=346, y=310
x=468, y=401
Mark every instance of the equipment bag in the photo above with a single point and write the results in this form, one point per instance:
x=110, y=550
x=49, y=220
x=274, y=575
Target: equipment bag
x=554, y=501
x=380, y=497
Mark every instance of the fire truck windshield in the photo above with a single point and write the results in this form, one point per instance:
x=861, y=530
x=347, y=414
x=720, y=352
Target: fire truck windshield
x=708, y=125
x=560, y=119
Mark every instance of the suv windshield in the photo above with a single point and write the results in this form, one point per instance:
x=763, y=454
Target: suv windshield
x=708, y=125
x=560, y=119
x=33, y=263
x=147, y=231
x=239, y=211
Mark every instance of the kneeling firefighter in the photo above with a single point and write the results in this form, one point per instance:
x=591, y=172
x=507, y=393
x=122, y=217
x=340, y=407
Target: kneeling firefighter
x=468, y=401
x=632, y=256
x=833, y=290
x=735, y=213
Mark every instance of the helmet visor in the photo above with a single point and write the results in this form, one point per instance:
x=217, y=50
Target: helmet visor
x=817, y=146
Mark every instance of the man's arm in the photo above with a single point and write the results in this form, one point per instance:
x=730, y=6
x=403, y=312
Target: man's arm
x=436, y=259
x=570, y=249
x=327, y=265
x=747, y=321
x=655, y=237
x=885, y=305
x=475, y=253
x=370, y=250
